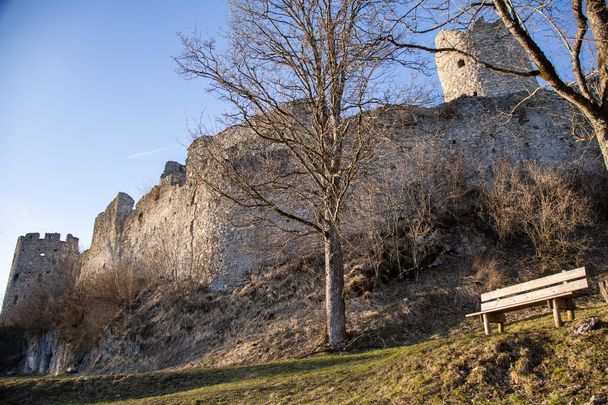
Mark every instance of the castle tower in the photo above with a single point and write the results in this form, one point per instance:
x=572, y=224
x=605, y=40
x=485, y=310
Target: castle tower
x=35, y=269
x=488, y=42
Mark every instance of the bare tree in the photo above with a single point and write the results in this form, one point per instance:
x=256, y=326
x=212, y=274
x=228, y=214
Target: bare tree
x=579, y=34
x=303, y=77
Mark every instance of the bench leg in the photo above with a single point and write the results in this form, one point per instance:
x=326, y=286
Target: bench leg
x=486, y=324
x=501, y=327
x=570, y=315
x=570, y=309
x=556, y=316
x=604, y=288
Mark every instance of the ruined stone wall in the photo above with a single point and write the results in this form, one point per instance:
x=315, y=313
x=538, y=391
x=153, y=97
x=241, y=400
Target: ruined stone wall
x=183, y=230
x=35, y=268
x=488, y=42
x=178, y=230
x=194, y=234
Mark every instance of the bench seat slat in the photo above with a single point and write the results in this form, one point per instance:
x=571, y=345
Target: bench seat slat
x=523, y=305
x=535, y=296
x=533, y=284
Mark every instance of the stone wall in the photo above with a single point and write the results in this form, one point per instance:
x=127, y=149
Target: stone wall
x=194, y=234
x=179, y=229
x=35, y=269
x=490, y=43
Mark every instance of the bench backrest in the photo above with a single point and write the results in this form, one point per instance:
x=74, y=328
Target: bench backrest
x=535, y=290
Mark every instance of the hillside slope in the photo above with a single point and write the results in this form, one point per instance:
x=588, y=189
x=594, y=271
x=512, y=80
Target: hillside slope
x=531, y=363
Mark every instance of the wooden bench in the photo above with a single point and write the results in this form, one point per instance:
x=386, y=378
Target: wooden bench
x=557, y=291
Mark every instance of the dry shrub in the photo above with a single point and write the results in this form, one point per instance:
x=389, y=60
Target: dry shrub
x=80, y=310
x=542, y=205
x=411, y=203
x=359, y=280
x=488, y=273
x=100, y=297
x=118, y=285
x=594, y=188
x=502, y=200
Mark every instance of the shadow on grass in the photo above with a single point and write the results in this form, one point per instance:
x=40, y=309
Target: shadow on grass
x=92, y=388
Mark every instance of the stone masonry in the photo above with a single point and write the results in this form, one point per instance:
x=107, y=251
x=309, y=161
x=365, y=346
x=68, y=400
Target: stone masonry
x=490, y=43
x=197, y=235
x=34, y=268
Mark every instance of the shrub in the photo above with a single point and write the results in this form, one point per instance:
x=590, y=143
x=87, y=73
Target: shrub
x=488, y=273
x=410, y=204
x=540, y=204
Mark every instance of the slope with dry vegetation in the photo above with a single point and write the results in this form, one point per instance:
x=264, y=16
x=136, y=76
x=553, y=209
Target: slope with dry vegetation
x=532, y=363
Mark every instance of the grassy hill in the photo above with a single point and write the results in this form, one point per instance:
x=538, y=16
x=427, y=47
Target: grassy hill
x=532, y=363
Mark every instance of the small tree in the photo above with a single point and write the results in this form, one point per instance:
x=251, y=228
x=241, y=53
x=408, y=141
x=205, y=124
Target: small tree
x=300, y=74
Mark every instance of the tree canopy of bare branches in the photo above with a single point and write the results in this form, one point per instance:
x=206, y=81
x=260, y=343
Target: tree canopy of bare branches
x=303, y=77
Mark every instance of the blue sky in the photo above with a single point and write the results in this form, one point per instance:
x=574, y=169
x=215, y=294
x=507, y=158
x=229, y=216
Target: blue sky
x=90, y=105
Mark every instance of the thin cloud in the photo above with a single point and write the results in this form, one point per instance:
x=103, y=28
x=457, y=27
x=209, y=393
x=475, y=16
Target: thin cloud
x=150, y=152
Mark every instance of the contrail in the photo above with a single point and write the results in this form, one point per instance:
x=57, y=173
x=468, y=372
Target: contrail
x=150, y=152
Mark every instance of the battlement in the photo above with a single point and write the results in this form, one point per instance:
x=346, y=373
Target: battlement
x=489, y=42
x=54, y=237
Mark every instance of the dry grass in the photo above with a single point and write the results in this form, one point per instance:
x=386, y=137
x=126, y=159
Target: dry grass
x=279, y=314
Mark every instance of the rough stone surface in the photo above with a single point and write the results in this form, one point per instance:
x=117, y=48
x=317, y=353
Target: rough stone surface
x=587, y=326
x=487, y=42
x=597, y=400
x=175, y=172
x=47, y=354
x=200, y=236
x=180, y=226
x=34, y=265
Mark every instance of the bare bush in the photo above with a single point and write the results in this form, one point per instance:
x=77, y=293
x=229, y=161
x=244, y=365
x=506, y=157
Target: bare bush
x=592, y=187
x=502, y=195
x=540, y=204
x=410, y=203
x=488, y=273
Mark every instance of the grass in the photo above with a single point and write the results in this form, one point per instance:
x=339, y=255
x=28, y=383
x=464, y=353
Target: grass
x=532, y=363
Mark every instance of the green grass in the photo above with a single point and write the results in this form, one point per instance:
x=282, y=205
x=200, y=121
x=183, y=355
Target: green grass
x=532, y=363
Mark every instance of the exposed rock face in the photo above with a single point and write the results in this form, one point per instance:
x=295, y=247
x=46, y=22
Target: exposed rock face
x=587, y=326
x=47, y=354
x=487, y=42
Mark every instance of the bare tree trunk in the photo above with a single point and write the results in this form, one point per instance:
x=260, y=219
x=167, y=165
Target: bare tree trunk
x=600, y=129
x=597, y=12
x=334, y=286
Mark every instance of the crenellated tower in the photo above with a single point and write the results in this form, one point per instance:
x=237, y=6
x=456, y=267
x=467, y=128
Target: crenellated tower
x=36, y=268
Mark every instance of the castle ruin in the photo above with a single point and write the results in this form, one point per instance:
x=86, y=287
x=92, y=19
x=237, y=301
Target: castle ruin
x=491, y=43
x=37, y=266
x=196, y=235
